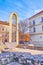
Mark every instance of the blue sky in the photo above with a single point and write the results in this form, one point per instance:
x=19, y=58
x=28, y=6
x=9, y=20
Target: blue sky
x=24, y=8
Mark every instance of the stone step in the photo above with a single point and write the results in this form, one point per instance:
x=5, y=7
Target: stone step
x=10, y=45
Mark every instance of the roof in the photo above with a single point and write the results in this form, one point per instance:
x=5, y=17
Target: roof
x=5, y=23
x=36, y=14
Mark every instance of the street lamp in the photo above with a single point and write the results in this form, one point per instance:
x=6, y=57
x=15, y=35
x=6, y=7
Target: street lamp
x=10, y=26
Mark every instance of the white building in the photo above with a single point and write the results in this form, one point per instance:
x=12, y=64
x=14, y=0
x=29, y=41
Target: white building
x=36, y=28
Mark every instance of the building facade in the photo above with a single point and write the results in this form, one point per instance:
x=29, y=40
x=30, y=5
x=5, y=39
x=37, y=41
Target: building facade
x=36, y=28
x=4, y=33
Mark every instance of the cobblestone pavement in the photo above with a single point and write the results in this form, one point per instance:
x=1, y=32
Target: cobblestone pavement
x=20, y=58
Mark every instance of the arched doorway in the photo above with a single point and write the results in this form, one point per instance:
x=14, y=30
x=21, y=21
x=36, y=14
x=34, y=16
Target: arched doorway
x=13, y=21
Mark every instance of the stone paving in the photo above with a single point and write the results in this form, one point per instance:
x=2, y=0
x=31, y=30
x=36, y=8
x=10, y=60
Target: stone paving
x=20, y=58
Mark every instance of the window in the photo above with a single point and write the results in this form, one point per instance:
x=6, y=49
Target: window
x=42, y=28
x=2, y=28
x=33, y=22
x=7, y=29
x=41, y=19
x=34, y=29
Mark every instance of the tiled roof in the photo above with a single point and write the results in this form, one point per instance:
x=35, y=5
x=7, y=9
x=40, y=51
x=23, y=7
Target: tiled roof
x=5, y=23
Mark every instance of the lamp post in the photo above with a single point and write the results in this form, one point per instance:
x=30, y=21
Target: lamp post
x=10, y=26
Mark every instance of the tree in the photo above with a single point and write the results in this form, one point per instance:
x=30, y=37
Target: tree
x=23, y=29
x=23, y=26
